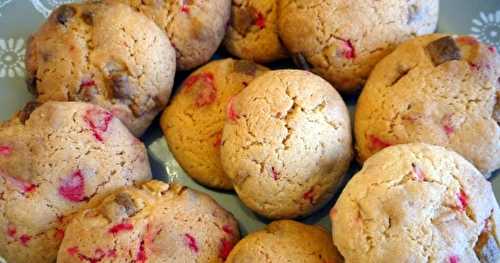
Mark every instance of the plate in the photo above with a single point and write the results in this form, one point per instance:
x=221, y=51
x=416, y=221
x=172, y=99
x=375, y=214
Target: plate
x=480, y=18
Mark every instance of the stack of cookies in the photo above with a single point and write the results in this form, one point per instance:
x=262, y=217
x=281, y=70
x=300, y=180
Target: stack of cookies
x=75, y=180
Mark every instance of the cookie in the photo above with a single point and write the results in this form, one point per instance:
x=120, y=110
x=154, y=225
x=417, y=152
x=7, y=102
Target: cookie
x=286, y=143
x=106, y=54
x=286, y=241
x=343, y=40
x=193, y=122
x=53, y=159
x=417, y=203
x=253, y=31
x=156, y=222
x=435, y=89
x=196, y=28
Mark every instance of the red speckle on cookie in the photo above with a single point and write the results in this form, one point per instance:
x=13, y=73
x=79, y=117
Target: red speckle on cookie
x=185, y=9
x=111, y=253
x=231, y=112
x=225, y=248
x=453, y=259
x=98, y=256
x=73, y=251
x=347, y=49
x=208, y=93
x=191, y=242
x=227, y=229
x=5, y=150
x=275, y=174
x=463, y=200
x=21, y=185
x=87, y=83
x=98, y=121
x=260, y=20
x=419, y=174
x=492, y=49
x=59, y=234
x=11, y=230
x=447, y=124
x=24, y=239
x=310, y=196
x=141, y=254
x=467, y=40
x=72, y=188
x=378, y=144
x=218, y=140
x=120, y=228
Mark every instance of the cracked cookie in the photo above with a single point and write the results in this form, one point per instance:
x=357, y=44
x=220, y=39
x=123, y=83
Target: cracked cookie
x=253, y=31
x=343, y=40
x=286, y=241
x=196, y=28
x=193, y=122
x=106, y=54
x=53, y=159
x=286, y=143
x=156, y=222
x=436, y=89
x=417, y=203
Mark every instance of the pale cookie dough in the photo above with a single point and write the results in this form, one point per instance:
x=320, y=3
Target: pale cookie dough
x=286, y=241
x=156, y=222
x=253, y=31
x=106, y=54
x=435, y=89
x=286, y=143
x=417, y=203
x=193, y=122
x=196, y=28
x=52, y=161
x=343, y=40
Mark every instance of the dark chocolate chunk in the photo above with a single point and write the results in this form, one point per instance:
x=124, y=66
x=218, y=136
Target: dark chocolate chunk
x=300, y=61
x=88, y=18
x=65, y=13
x=25, y=113
x=125, y=200
x=487, y=249
x=245, y=67
x=121, y=85
x=242, y=20
x=443, y=50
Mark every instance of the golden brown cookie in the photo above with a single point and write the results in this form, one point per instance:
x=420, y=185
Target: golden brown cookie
x=193, y=122
x=106, y=54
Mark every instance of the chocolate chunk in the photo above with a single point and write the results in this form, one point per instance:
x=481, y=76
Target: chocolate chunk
x=300, y=61
x=443, y=50
x=121, y=85
x=88, y=18
x=125, y=200
x=31, y=84
x=25, y=113
x=245, y=67
x=242, y=20
x=65, y=13
x=487, y=249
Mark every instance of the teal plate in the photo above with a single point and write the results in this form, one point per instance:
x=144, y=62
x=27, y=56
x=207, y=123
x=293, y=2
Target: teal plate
x=18, y=18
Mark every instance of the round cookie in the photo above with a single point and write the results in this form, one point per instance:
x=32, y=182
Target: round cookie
x=106, y=54
x=286, y=241
x=196, y=28
x=343, y=40
x=52, y=161
x=417, y=203
x=156, y=222
x=286, y=143
x=435, y=89
x=253, y=31
x=193, y=122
